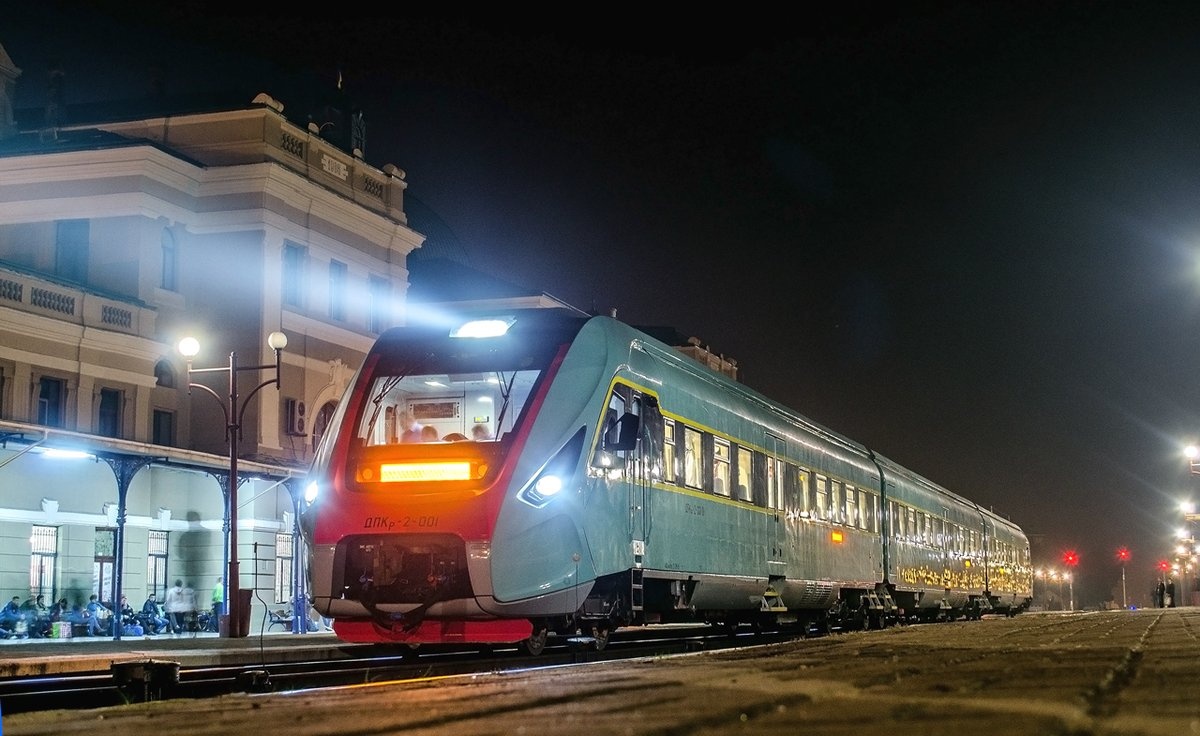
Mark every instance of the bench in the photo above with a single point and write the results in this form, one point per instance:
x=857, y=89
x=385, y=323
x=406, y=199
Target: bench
x=280, y=618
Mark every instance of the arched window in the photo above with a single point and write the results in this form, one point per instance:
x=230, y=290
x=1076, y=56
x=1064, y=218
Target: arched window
x=164, y=374
x=321, y=422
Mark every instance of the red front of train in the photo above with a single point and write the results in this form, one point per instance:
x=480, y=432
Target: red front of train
x=399, y=525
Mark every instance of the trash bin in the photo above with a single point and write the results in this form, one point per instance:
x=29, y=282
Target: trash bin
x=241, y=598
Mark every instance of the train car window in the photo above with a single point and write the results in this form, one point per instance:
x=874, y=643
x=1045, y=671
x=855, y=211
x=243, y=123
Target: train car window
x=852, y=506
x=744, y=471
x=652, y=430
x=808, y=491
x=776, y=472
x=706, y=461
x=897, y=522
x=693, y=454
x=911, y=527
x=795, y=489
x=821, y=509
x=872, y=515
x=721, y=466
x=837, y=502
x=670, y=467
x=758, y=479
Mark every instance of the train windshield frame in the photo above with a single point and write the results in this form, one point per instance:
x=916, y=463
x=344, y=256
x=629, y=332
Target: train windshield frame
x=465, y=389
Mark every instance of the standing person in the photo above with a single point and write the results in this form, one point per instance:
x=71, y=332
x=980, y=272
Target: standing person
x=176, y=607
x=218, y=599
x=410, y=428
x=1169, y=598
x=1160, y=594
x=191, y=607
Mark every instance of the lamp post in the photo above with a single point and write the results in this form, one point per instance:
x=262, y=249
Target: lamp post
x=189, y=347
x=1123, y=557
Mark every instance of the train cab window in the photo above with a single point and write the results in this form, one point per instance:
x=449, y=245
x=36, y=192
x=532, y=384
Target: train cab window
x=821, y=510
x=852, y=506
x=744, y=471
x=646, y=407
x=720, y=466
x=693, y=455
x=670, y=468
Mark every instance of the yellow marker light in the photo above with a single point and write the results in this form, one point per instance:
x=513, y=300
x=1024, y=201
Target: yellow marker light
x=404, y=472
x=836, y=537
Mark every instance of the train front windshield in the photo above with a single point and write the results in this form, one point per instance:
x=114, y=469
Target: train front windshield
x=426, y=388
x=444, y=400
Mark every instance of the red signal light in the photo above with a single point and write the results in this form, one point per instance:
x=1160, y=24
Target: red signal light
x=1123, y=555
x=1164, y=565
x=1070, y=557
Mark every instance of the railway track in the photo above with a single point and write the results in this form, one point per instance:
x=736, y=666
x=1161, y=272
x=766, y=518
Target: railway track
x=161, y=678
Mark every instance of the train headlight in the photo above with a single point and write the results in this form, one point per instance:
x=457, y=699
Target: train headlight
x=552, y=477
x=493, y=327
x=548, y=485
x=311, y=491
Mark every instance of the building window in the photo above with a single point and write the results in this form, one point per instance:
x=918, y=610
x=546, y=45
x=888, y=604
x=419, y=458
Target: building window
x=379, y=309
x=71, y=250
x=103, y=564
x=295, y=258
x=164, y=374
x=108, y=419
x=337, y=290
x=164, y=428
x=44, y=540
x=283, y=568
x=156, y=565
x=52, y=393
x=321, y=423
x=170, y=261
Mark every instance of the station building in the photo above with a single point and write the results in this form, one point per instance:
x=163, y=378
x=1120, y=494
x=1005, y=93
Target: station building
x=124, y=230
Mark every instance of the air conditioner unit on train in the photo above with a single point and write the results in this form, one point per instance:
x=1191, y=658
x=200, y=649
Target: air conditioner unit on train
x=296, y=411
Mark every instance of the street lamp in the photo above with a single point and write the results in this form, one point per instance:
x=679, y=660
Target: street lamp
x=189, y=347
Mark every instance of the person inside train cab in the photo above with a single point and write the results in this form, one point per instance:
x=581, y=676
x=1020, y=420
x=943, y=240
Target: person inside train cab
x=480, y=432
x=410, y=428
x=429, y=434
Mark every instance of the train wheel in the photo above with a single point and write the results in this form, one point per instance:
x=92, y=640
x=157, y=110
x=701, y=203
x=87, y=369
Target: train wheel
x=534, y=645
x=600, y=634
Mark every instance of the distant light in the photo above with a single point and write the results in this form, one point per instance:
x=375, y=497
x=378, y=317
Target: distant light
x=1187, y=507
x=837, y=537
x=483, y=328
x=437, y=384
x=311, y=491
x=277, y=340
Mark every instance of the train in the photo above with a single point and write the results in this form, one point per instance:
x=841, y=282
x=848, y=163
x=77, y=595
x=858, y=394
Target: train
x=582, y=475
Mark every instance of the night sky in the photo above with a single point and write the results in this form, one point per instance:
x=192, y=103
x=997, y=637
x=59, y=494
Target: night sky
x=966, y=235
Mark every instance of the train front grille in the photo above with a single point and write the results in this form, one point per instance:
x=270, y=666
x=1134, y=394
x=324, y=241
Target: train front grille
x=402, y=569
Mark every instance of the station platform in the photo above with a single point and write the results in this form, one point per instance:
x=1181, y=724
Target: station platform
x=48, y=657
